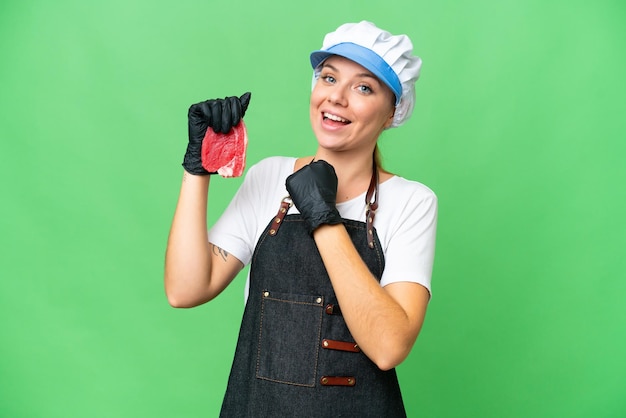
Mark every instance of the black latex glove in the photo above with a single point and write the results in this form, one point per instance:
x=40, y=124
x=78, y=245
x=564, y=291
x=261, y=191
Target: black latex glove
x=218, y=114
x=313, y=189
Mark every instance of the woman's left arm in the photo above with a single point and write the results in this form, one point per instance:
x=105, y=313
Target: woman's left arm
x=384, y=321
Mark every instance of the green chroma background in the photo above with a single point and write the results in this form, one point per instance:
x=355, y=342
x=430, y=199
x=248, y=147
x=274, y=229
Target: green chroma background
x=519, y=128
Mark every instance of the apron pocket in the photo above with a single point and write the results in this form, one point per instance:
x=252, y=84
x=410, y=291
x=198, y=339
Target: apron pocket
x=289, y=337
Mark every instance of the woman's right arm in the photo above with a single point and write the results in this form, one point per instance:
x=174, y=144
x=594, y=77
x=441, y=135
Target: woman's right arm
x=196, y=271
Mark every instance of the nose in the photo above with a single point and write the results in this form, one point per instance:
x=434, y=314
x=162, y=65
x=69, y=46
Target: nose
x=337, y=95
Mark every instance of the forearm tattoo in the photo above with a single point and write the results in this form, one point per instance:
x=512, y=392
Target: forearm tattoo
x=220, y=251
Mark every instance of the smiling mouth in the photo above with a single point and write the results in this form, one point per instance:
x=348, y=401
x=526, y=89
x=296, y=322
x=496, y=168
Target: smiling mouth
x=335, y=118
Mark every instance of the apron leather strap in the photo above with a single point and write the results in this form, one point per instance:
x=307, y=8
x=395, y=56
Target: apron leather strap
x=372, y=205
x=282, y=211
x=338, y=380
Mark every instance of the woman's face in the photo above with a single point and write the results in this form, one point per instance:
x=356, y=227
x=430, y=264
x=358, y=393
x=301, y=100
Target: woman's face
x=349, y=106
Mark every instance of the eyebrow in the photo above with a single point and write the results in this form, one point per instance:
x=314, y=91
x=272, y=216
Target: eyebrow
x=370, y=75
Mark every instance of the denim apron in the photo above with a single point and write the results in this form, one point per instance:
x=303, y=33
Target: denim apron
x=295, y=356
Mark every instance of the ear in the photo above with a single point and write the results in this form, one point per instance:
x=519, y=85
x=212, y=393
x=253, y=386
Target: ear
x=389, y=120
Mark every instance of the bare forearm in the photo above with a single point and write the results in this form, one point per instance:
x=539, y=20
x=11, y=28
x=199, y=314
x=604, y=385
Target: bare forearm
x=187, y=259
x=384, y=330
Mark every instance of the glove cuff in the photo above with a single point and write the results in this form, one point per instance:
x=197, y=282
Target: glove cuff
x=192, y=163
x=330, y=217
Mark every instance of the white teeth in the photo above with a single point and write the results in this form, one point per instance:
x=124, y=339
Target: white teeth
x=334, y=117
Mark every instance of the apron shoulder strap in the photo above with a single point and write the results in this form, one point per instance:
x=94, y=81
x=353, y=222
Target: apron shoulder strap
x=372, y=205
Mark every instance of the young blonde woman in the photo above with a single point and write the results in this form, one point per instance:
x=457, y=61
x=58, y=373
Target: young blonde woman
x=340, y=251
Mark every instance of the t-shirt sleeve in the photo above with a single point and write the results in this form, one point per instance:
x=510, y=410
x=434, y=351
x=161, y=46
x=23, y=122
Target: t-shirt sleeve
x=410, y=253
x=235, y=230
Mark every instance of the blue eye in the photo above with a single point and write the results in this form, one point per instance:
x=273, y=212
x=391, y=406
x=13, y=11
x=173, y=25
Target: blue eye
x=364, y=89
x=328, y=78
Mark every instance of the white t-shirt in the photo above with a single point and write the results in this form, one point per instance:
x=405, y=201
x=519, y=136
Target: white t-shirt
x=406, y=220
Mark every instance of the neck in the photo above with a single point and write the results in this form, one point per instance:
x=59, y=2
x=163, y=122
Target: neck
x=353, y=174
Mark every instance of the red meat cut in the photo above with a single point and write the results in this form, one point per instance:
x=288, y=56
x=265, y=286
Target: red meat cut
x=225, y=153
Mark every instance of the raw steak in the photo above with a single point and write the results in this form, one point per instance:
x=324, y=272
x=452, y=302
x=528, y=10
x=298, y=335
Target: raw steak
x=225, y=153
